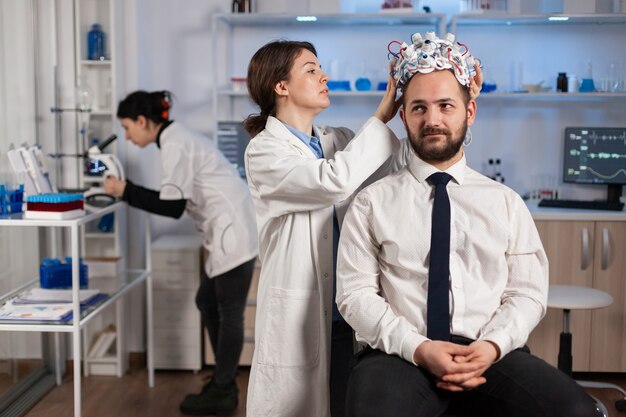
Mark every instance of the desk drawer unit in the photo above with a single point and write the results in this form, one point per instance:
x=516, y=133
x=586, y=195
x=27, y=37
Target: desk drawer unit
x=176, y=272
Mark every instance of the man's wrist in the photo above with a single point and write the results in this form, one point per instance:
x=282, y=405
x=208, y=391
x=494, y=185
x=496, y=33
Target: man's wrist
x=496, y=348
x=418, y=358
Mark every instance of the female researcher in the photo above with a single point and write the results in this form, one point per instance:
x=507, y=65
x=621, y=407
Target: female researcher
x=301, y=177
x=197, y=178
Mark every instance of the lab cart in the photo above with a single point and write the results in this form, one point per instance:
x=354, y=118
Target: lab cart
x=124, y=282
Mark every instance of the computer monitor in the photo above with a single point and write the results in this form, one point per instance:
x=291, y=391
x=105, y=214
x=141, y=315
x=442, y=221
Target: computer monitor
x=596, y=155
x=232, y=140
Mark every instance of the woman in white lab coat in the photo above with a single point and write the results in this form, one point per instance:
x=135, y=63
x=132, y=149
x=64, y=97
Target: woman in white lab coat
x=300, y=194
x=198, y=179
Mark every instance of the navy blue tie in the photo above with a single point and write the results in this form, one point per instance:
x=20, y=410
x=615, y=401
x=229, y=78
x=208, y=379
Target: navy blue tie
x=438, y=304
x=317, y=147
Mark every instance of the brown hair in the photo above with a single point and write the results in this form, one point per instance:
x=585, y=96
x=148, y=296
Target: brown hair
x=270, y=65
x=465, y=90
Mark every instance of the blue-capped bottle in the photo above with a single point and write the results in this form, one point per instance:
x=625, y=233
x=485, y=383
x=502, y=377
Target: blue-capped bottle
x=96, y=43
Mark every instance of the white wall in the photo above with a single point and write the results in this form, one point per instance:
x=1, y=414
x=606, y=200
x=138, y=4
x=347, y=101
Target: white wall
x=19, y=254
x=173, y=52
x=166, y=47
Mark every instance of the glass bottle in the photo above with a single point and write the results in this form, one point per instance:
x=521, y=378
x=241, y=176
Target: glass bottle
x=561, y=82
x=96, y=43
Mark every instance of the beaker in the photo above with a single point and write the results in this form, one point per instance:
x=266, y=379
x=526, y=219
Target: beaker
x=587, y=85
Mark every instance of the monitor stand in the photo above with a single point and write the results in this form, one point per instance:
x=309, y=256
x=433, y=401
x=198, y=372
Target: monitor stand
x=614, y=192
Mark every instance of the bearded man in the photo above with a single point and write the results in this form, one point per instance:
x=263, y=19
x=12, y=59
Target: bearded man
x=441, y=272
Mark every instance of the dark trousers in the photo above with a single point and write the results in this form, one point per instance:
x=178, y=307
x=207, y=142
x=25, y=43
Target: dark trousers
x=221, y=301
x=341, y=352
x=519, y=385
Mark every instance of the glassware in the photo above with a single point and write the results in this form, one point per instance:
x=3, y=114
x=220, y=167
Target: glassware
x=84, y=95
x=95, y=43
x=561, y=82
x=587, y=85
x=84, y=101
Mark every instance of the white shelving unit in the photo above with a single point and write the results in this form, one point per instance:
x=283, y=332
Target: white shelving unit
x=237, y=36
x=554, y=96
x=542, y=23
x=231, y=31
x=123, y=283
x=101, y=77
x=500, y=19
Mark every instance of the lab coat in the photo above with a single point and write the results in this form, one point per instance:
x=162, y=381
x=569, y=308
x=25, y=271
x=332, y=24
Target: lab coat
x=294, y=194
x=217, y=198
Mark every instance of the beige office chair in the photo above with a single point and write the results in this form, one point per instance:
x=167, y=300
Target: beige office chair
x=572, y=297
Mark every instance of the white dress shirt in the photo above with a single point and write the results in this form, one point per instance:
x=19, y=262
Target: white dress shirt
x=498, y=268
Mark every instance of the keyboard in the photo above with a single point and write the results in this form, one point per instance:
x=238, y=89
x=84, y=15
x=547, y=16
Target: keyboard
x=583, y=204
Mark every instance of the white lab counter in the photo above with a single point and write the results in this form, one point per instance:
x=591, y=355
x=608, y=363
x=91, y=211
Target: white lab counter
x=563, y=214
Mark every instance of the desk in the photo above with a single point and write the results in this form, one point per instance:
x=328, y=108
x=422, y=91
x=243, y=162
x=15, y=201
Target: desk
x=124, y=283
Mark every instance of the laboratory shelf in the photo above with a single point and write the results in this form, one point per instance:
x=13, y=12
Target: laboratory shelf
x=116, y=287
x=484, y=96
x=228, y=28
x=553, y=96
x=381, y=19
x=103, y=235
x=336, y=93
x=124, y=282
x=93, y=63
x=18, y=220
x=502, y=19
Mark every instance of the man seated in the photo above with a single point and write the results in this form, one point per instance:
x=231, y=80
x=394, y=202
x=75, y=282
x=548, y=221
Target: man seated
x=441, y=271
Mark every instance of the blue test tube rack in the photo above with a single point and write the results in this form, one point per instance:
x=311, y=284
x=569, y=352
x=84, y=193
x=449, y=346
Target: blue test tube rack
x=57, y=274
x=11, y=200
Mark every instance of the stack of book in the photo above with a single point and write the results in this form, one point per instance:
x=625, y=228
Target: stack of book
x=102, y=343
x=40, y=304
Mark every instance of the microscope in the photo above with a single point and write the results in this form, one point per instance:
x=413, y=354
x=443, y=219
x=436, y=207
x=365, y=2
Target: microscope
x=102, y=164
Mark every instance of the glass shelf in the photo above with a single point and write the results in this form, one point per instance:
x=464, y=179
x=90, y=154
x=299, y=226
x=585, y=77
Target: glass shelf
x=502, y=19
x=103, y=235
x=485, y=96
x=383, y=19
x=93, y=63
x=553, y=96
x=18, y=219
x=116, y=287
x=337, y=93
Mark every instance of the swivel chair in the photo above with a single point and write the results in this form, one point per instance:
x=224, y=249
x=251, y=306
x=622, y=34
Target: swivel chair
x=572, y=297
